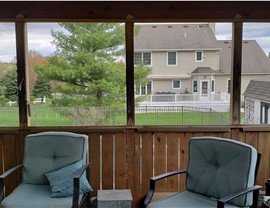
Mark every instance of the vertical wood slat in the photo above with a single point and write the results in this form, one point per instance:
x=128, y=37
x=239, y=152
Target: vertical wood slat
x=120, y=161
x=263, y=148
x=9, y=156
x=160, y=159
x=130, y=137
x=172, y=160
x=94, y=154
x=137, y=169
x=107, y=161
x=184, y=139
x=147, y=161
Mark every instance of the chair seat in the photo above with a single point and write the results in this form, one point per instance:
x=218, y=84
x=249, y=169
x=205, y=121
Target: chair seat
x=186, y=199
x=34, y=196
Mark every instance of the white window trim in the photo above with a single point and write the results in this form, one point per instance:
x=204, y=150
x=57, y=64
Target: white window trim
x=177, y=87
x=196, y=60
x=193, y=86
x=175, y=58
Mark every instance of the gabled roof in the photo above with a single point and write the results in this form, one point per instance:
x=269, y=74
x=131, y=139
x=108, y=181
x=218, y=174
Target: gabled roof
x=175, y=37
x=205, y=70
x=254, y=59
x=258, y=88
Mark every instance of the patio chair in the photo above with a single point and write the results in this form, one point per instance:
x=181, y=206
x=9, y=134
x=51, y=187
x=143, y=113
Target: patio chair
x=266, y=197
x=55, y=173
x=220, y=173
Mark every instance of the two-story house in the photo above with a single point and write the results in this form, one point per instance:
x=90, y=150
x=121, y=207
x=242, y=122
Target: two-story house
x=188, y=59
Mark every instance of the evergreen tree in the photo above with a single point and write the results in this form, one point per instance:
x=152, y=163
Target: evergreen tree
x=41, y=88
x=86, y=66
x=10, y=85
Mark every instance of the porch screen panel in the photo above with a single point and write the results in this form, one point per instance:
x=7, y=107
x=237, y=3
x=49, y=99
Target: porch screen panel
x=255, y=77
x=9, y=83
x=188, y=71
x=77, y=74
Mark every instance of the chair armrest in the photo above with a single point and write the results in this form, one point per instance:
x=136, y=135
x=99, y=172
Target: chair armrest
x=4, y=176
x=255, y=189
x=267, y=187
x=153, y=184
x=76, y=183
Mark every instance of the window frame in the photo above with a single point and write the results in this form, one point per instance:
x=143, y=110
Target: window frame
x=173, y=86
x=168, y=58
x=196, y=56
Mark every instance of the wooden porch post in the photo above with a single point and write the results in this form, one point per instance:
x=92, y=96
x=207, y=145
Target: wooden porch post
x=23, y=95
x=129, y=26
x=236, y=71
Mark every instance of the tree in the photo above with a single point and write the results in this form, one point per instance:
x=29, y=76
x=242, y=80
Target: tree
x=10, y=85
x=85, y=66
x=34, y=58
x=41, y=88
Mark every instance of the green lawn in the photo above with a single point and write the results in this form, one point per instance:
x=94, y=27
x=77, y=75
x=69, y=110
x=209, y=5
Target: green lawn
x=43, y=115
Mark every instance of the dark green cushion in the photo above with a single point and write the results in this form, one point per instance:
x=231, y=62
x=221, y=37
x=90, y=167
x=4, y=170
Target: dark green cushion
x=218, y=167
x=186, y=199
x=49, y=151
x=34, y=196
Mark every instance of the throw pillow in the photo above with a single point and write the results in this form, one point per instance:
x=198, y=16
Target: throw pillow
x=61, y=180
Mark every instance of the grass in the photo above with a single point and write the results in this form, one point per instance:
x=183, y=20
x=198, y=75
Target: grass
x=43, y=115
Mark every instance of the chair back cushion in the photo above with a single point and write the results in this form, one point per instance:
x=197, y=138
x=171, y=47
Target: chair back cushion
x=48, y=151
x=218, y=167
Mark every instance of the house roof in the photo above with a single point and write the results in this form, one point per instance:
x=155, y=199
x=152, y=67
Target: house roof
x=175, y=37
x=254, y=59
x=165, y=37
x=205, y=70
x=258, y=88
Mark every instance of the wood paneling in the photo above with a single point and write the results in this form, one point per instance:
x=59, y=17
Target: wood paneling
x=128, y=159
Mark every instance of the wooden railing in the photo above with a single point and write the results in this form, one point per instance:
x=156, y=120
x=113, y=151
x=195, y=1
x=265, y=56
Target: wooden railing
x=126, y=158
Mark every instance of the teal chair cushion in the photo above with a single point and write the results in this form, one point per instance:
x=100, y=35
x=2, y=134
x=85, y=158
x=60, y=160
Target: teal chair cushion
x=35, y=196
x=218, y=167
x=49, y=151
x=61, y=180
x=186, y=199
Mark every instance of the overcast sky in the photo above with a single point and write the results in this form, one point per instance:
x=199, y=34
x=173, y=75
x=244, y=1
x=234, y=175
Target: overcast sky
x=40, y=40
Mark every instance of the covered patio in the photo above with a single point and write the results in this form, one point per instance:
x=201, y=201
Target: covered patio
x=134, y=154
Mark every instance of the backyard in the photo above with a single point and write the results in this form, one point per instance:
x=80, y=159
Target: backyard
x=46, y=115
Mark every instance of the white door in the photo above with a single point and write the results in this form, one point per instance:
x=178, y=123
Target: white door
x=204, y=89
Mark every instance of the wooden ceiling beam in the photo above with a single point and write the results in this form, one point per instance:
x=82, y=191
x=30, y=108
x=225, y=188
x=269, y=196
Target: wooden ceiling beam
x=142, y=11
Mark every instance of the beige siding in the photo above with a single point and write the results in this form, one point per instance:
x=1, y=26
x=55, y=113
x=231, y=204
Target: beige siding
x=166, y=86
x=185, y=62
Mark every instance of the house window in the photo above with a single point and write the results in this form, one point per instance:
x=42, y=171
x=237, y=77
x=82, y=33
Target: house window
x=199, y=56
x=142, y=58
x=137, y=58
x=176, y=84
x=265, y=111
x=171, y=58
x=212, y=85
x=144, y=89
x=195, y=86
x=228, y=86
